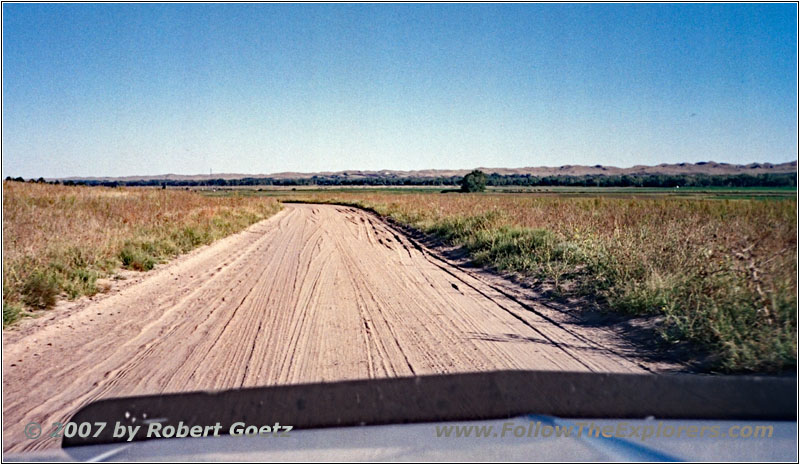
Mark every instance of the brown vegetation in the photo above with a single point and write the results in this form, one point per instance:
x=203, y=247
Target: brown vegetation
x=59, y=240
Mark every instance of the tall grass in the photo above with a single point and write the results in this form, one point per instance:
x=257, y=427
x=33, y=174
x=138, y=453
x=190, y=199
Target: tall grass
x=723, y=273
x=58, y=240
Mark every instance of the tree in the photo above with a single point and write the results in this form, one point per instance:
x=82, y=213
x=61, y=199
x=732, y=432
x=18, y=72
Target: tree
x=474, y=182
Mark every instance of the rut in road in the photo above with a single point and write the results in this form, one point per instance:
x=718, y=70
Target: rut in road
x=315, y=293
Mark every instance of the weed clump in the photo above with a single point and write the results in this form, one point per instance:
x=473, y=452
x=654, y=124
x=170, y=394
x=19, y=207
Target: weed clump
x=11, y=313
x=134, y=258
x=40, y=290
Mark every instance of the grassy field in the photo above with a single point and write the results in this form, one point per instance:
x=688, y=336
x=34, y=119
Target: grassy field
x=719, y=266
x=721, y=271
x=58, y=240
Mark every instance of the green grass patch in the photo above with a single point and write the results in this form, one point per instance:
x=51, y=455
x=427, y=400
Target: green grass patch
x=11, y=313
x=40, y=290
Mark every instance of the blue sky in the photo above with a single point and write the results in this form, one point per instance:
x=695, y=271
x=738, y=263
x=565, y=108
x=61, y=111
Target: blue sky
x=114, y=90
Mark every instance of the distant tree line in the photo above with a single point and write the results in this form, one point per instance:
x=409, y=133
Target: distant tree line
x=494, y=179
x=19, y=179
x=649, y=180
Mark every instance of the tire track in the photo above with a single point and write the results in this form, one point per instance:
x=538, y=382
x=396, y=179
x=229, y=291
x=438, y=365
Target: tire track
x=316, y=293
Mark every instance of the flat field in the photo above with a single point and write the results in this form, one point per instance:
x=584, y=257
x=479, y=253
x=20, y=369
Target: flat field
x=316, y=293
x=325, y=293
x=59, y=240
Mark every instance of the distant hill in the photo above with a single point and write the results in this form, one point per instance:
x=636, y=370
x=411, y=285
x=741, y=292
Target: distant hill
x=709, y=168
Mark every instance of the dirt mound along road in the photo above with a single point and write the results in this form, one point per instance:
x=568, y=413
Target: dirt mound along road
x=315, y=293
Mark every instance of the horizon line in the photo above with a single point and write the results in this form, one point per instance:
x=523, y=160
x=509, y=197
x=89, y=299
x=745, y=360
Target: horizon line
x=356, y=171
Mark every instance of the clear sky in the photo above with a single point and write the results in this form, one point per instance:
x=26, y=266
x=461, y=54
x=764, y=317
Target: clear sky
x=114, y=90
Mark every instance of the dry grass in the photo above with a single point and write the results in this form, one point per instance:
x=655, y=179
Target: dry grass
x=58, y=240
x=722, y=272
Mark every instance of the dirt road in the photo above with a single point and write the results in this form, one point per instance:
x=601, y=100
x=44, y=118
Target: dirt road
x=316, y=293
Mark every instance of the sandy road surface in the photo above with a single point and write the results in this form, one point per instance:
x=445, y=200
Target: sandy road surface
x=315, y=293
